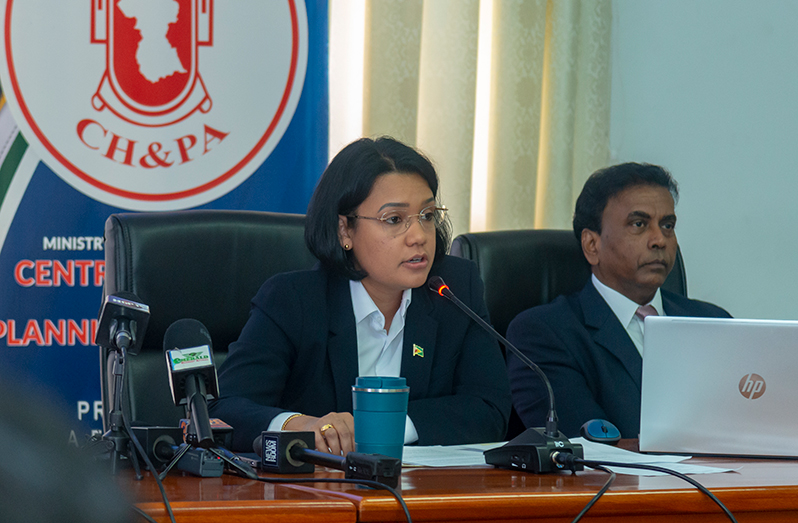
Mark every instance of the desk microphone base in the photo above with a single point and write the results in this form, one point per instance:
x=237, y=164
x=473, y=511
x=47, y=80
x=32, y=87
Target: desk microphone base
x=531, y=451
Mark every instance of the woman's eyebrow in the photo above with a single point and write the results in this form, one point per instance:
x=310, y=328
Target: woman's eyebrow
x=397, y=204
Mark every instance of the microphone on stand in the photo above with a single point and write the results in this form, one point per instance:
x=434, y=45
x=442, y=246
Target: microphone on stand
x=192, y=379
x=121, y=326
x=123, y=321
x=534, y=448
x=192, y=375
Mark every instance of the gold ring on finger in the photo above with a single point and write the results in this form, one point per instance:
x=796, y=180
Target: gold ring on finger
x=325, y=428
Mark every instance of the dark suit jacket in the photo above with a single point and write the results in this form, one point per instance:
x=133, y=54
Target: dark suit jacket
x=592, y=363
x=298, y=352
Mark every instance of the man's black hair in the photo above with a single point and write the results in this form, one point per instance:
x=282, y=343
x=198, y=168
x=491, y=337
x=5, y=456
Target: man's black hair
x=611, y=181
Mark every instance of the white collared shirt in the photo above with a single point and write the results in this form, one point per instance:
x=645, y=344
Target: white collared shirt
x=625, y=310
x=379, y=353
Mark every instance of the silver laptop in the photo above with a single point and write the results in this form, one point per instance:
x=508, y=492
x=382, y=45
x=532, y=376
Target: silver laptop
x=720, y=386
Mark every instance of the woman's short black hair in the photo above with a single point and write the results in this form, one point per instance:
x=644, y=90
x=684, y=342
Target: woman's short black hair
x=347, y=182
x=610, y=181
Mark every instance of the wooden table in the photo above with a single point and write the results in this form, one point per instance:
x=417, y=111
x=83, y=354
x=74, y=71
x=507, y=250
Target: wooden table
x=758, y=490
x=230, y=499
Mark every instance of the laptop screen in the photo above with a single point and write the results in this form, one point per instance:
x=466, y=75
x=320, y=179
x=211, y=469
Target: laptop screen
x=720, y=386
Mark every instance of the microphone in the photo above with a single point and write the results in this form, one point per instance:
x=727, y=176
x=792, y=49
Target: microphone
x=123, y=321
x=293, y=452
x=535, y=447
x=121, y=327
x=192, y=375
x=164, y=449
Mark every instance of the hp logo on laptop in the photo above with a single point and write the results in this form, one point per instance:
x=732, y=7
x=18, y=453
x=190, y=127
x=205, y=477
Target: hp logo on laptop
x=752, y=386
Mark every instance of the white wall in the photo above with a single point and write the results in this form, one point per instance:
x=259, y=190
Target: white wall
x=709, y=89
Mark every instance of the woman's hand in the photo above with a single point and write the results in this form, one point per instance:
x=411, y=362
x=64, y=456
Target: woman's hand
x=335, y=432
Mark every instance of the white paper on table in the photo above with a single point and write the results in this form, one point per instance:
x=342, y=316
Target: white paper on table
x=471, y=455
x=447, y=455
x=603, y=452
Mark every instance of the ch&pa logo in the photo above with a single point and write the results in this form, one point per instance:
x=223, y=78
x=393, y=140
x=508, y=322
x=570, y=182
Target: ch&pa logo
x=151, y=76
x=154, y=104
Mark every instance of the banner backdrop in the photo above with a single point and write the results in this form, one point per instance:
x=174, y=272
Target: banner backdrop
x=142, y=105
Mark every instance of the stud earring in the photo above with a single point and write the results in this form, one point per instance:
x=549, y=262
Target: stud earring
x=346, y=246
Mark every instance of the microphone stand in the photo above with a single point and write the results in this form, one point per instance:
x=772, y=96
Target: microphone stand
x=228, y=458
x=118, y=440
x=535, y=447
x=121, y=326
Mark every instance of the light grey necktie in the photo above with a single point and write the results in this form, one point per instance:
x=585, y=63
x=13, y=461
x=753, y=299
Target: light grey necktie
x=646, y=310
x=637, y=332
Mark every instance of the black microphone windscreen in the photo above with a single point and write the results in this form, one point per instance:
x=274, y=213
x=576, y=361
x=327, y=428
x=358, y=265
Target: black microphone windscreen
x=277, y=451
x=122, y=310
x=186, y=333
x=436, y=283
x=126, y=295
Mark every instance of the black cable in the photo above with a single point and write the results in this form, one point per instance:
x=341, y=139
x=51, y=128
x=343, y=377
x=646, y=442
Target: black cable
x=664, y=470
x=143, y=514
x=598, y=494
x=567, y=458
x=150, y=466
x=365, y=482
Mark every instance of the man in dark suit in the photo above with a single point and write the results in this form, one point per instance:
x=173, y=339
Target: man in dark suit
x=590, y=343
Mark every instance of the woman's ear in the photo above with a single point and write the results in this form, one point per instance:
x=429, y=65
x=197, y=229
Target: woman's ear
x=344, y=233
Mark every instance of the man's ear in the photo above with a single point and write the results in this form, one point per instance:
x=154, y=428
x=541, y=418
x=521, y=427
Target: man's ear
x=344, y=233
x=591, y=246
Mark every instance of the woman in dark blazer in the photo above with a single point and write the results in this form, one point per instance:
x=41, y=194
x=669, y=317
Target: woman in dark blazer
x=379, y=232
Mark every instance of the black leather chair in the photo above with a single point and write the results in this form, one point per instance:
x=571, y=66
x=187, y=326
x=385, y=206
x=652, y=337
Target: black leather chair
x=526, y=268
x=204, y=264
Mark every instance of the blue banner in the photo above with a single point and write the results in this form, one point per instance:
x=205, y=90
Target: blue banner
x=123, y=105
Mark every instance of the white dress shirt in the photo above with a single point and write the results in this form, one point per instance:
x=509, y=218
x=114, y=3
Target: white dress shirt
x=379, y=352
x=625, y=310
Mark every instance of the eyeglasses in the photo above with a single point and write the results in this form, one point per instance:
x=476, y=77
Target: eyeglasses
x=395, y=223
